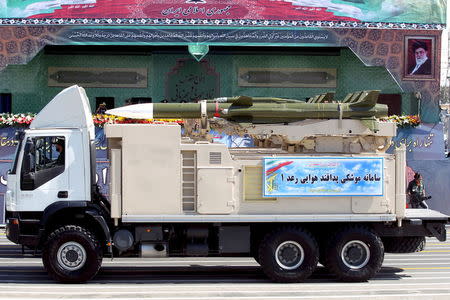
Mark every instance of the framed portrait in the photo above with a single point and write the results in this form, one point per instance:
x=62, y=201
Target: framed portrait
x=419, y=58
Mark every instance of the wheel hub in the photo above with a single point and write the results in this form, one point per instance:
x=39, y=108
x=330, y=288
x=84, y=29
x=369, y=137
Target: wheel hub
x=71, y=256
x=355, y=254
x=289, y=255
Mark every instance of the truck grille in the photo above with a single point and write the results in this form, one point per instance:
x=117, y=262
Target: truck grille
x=215, y=158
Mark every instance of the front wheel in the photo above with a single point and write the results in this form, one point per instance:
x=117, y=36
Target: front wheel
x=354, y=254
x=288, y=254
x=72, y=254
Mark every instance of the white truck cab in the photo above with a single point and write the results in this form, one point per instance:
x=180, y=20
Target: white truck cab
x=38, y=178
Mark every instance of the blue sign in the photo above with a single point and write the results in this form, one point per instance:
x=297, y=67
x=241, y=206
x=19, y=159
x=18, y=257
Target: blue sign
x=424, y=142
x=307, y=176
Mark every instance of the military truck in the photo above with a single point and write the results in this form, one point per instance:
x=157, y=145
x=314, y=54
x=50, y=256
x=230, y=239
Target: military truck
x=319, y=189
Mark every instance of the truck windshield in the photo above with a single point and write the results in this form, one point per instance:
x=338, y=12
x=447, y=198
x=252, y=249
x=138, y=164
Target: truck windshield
x=19, y=137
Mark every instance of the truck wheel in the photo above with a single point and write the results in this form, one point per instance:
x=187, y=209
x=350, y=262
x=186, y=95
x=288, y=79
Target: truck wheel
x=354, y=254
x=288, y=254
x=72, y=254
x=407, y=244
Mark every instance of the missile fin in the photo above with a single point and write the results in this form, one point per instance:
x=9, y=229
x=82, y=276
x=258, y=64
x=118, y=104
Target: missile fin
x=367, y=99
x=370, y=123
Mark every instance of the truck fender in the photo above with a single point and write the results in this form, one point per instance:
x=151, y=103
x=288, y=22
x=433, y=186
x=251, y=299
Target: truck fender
x=102, y=222
x=54, y=208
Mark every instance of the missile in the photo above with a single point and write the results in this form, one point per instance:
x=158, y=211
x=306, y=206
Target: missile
x=263, y=110
x=247, y=99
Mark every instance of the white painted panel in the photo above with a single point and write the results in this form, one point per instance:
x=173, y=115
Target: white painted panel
x=215, y=191
x=115, y=185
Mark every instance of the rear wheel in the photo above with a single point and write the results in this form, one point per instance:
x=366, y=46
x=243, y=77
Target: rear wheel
x=288, y=254
x=408, y=244
x=354, y=254
x=72, y=254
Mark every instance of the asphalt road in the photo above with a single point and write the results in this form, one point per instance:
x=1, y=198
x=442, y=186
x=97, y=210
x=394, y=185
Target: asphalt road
x=424, y=275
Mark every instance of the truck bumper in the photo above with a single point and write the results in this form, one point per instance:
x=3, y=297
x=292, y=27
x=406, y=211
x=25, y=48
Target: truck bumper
x=15, y=233
x=417, y=222
x=13, y=230
x=432, y=221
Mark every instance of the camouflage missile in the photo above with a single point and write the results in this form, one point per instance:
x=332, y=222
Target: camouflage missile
x=267, y=110
x=253, y=99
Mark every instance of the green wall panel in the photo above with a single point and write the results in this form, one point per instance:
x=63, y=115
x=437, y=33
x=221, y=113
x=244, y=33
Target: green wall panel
x=30, y=92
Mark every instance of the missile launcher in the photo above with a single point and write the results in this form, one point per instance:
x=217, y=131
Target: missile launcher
x=294, y=125
x=264, y=110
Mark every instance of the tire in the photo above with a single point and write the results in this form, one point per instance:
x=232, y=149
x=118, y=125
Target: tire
x=354, y=254
x=288, y=254
x=404, y=244
x=72, y=254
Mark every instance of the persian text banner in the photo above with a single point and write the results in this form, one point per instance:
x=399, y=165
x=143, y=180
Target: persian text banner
x=307, y=176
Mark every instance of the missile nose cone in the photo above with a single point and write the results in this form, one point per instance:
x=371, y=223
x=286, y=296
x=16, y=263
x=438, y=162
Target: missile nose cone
x=137, y=111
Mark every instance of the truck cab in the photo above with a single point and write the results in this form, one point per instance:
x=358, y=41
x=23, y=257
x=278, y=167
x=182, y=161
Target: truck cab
x=52, y=168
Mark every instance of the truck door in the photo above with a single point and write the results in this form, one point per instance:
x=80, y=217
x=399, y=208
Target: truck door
x=43, y=173
x=215, y=190
x=10, y=196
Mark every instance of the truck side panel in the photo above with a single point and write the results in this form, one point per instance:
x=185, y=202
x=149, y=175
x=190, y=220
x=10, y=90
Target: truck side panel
x=151, y=180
